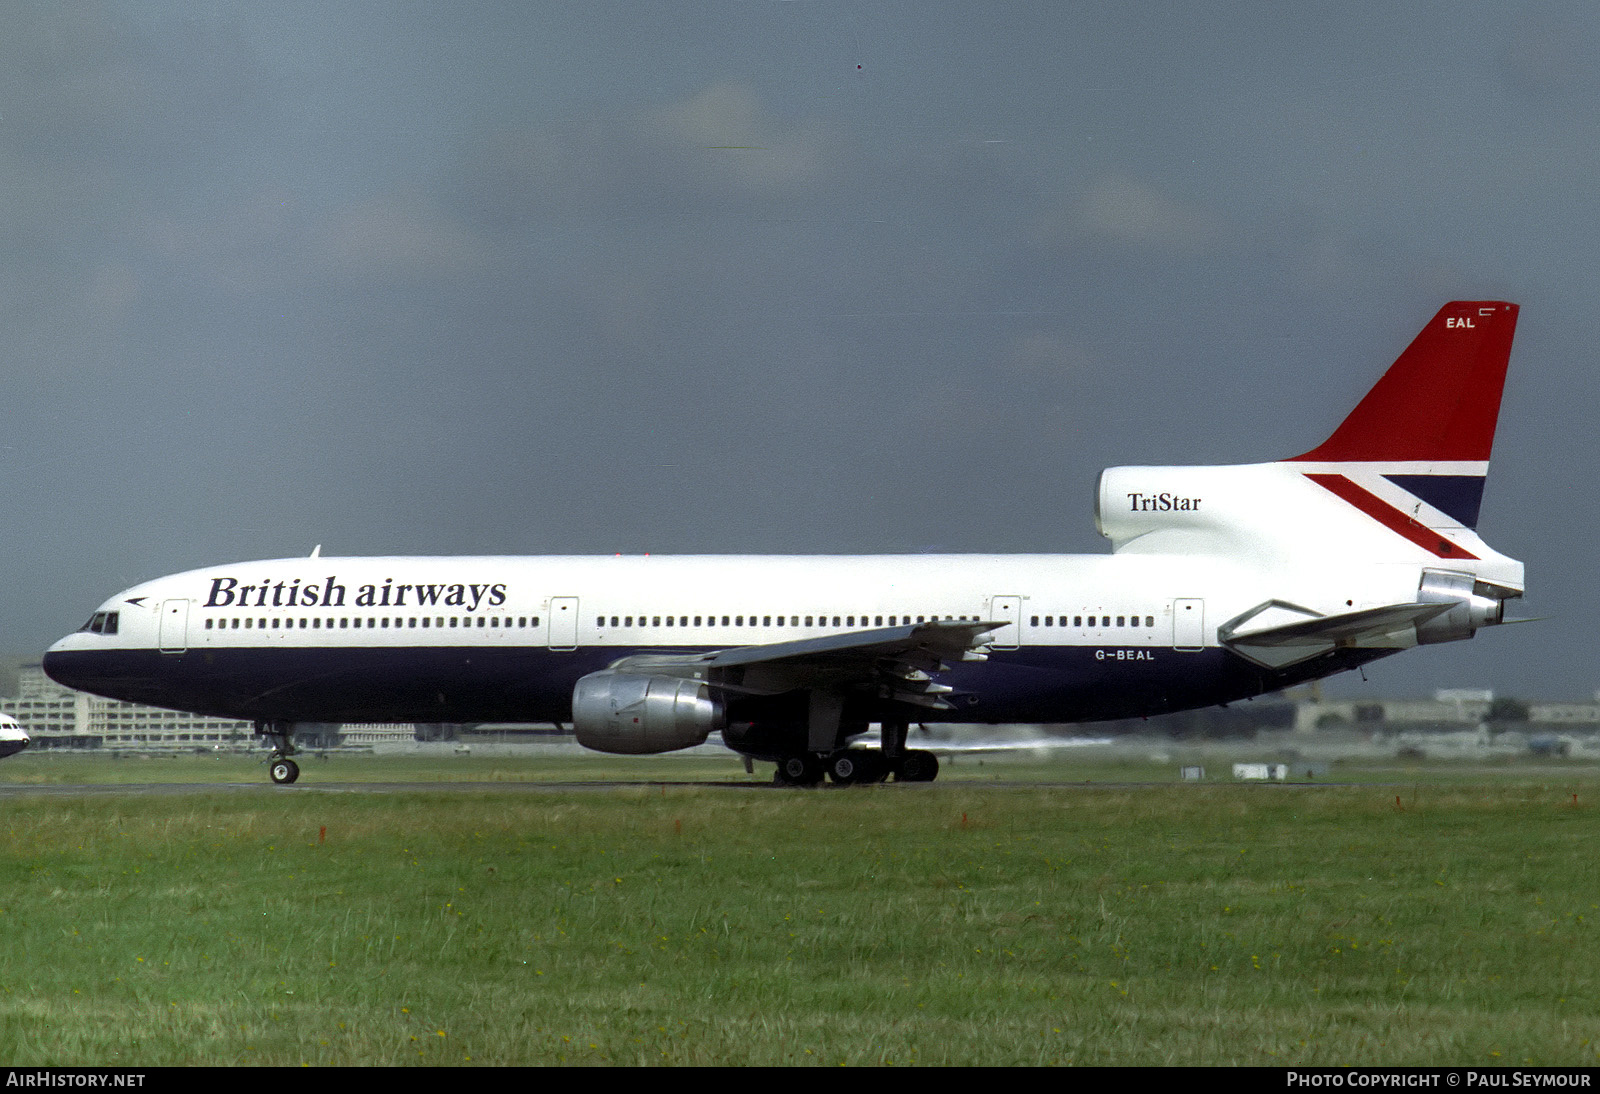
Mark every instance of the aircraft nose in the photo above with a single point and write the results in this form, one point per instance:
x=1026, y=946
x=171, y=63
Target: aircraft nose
x=58, y=665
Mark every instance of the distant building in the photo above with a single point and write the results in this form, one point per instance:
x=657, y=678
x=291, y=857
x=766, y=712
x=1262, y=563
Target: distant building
x=1450, y=708
x=58, y=717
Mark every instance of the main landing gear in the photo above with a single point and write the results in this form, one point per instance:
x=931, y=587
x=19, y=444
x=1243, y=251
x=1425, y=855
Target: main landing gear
x=852, y=766
x=280, y=767
x=856, y=766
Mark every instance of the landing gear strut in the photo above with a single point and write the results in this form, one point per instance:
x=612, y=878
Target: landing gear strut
x=280, y=767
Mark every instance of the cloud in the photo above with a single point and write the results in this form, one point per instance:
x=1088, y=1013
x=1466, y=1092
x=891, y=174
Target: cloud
x=399, y=237
x=715, y=151
x=761, y=155
x=1046, y=357
x=1127, y=210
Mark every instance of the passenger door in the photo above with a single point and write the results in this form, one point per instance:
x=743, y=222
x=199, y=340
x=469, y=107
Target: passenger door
x=563, y=633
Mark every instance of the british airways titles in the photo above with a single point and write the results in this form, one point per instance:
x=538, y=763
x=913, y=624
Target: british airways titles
x=228, y=592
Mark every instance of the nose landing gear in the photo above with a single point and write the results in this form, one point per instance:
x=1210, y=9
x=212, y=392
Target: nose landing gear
x=280, y=767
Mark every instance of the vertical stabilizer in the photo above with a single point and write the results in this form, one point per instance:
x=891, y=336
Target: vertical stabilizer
x=1440, y=400
x=1425, y=430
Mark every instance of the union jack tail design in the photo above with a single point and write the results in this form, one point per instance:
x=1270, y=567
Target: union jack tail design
x=1414, y=453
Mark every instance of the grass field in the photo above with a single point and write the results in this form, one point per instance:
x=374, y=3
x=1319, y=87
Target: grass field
x=1446, y=916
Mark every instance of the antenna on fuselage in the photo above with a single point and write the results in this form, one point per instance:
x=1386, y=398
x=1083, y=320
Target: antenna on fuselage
x=316, y=552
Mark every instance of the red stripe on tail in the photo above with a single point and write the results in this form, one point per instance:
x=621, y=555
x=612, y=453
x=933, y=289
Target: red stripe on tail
x=1391, y=518
x=1440, y=400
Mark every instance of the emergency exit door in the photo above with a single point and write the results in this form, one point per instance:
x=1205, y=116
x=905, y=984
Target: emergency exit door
x=1009, y=610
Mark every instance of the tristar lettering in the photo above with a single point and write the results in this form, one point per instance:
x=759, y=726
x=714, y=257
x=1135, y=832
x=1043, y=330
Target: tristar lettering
x=1161, y=503
x=229, y=592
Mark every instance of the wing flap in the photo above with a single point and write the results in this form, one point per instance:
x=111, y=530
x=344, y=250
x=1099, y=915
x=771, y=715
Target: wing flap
x=903, y=660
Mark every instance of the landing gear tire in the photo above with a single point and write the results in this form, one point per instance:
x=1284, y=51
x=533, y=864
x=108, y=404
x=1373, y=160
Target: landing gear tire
x=797, y=771
x=284, y=772
x=918, y=766
x=871, y=766
x=848, y=767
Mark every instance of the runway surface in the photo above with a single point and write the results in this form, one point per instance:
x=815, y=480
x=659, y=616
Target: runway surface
x=503, y=787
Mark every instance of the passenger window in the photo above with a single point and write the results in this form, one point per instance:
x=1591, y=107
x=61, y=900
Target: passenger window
x=1122, y=621
x=1033, y=621
x=1149, y=620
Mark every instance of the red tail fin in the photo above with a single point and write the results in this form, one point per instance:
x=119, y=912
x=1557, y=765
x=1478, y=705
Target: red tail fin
x=1440, y=400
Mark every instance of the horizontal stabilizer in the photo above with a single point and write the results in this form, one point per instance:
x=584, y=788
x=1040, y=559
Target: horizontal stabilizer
x=1276, y=634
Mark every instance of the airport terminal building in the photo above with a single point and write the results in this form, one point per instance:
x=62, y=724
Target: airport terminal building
x=59, y=717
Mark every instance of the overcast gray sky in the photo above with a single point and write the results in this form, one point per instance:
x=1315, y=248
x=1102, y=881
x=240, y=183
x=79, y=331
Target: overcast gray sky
x=769, y=277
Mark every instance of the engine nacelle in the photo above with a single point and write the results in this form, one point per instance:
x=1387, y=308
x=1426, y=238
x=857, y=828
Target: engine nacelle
x=1470, y=610
x=633, y=714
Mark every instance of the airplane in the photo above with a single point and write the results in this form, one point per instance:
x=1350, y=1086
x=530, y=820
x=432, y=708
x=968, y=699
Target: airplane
x=13, y=738
x=1222, y=583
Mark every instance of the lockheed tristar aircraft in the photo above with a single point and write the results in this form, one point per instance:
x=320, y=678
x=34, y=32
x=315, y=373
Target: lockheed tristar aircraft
x=1222, y=583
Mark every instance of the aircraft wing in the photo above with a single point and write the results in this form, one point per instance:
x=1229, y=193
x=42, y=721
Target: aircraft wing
x=1278, y=634
x=901, y=659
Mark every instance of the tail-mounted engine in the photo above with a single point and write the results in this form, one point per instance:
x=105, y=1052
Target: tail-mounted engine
x=635, y=714
x=1473, y=603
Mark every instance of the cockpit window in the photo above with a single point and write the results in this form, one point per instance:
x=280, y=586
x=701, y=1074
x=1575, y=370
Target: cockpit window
x=101, y=623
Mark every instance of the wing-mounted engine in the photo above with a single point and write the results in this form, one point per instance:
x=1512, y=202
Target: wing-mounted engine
x=636, y=714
